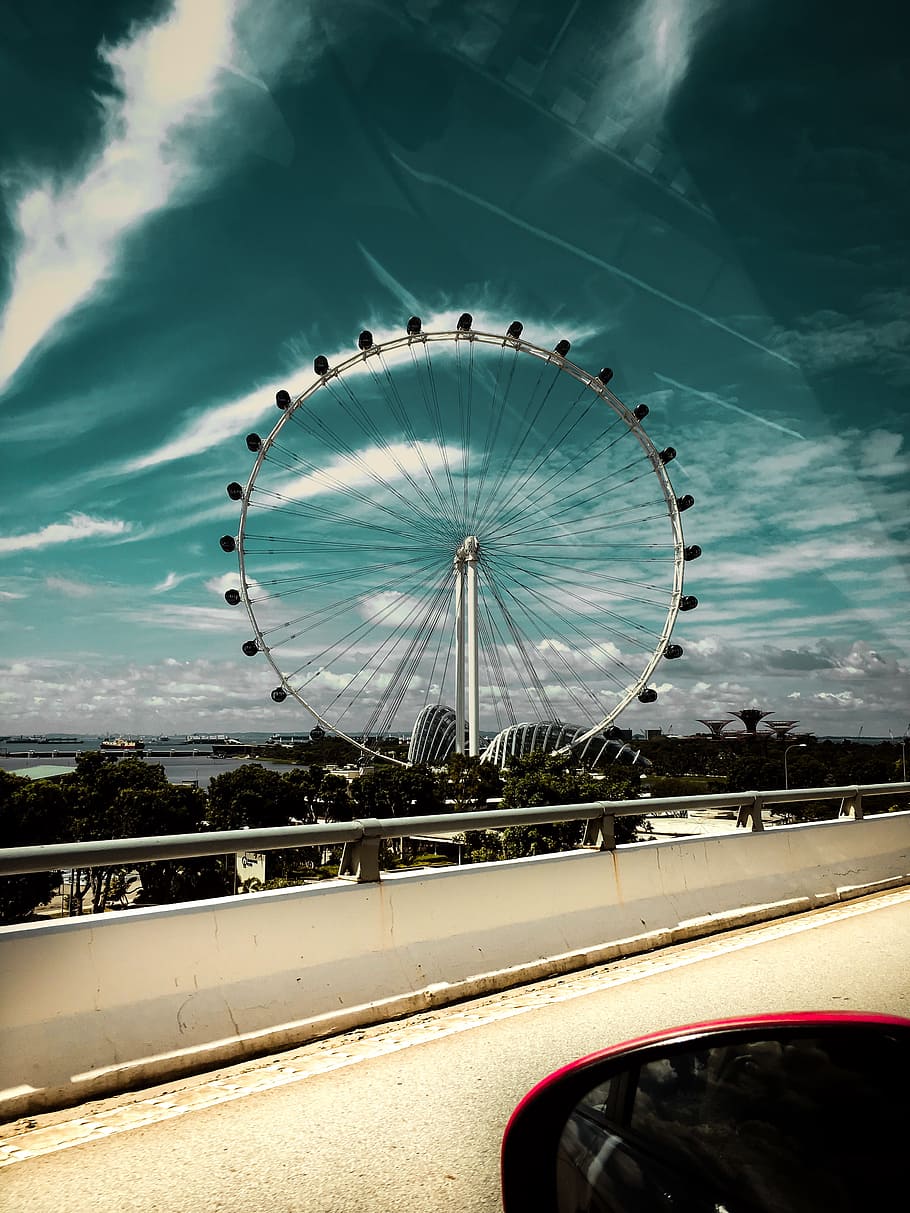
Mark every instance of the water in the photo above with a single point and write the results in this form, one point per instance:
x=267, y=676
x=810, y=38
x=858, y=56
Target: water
x=194, y=766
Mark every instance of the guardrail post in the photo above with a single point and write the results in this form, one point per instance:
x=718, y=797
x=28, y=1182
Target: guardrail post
x=751, y=810
x=600, y=832
x=852, y=806
x=360, y=859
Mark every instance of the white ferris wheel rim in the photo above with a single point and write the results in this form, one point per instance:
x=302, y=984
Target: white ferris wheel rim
x=521, y=346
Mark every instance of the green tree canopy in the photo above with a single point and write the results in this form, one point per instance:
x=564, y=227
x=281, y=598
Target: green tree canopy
x=388, y=790
x=32, y=813
x=552, y=779
x=251, y=796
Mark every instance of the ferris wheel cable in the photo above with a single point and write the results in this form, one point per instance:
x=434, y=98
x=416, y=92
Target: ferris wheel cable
x=503, y=709
x=407, y=670
x=446, y=641
x=522, y=436
x=519, y=641
x=353, y=637
x=336, y=609
x=338, y=484
x=289, y=507
x=431, y=402
x=493, y=428
x=548, y=600
x=597, y=608
x=542, y=655
x=306, y=581
x=559, y=442
x=571, y=467
x=642, y=585
x=556, y=522
x=406, y=664
x=386, y=384
x=588, y=643
x=550, y=442
x=465, y=410
x=579, y=589
x=355, y=410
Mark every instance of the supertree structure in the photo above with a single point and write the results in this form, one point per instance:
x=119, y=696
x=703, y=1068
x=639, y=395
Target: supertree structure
x=750, y=718
x=716, y=727
x=781, y=728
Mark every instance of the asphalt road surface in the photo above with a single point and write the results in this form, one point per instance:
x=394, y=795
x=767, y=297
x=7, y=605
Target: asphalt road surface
x=409, y=1115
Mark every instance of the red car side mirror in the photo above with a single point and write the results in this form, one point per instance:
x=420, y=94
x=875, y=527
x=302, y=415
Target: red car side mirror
x=800, y=1113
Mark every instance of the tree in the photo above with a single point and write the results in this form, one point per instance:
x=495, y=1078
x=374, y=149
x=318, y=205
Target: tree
x=553, y=779
x=32, y=813
x=396, y=791
x=128, y=798
x=251, y=797
x=319, y=794
x=471, y=783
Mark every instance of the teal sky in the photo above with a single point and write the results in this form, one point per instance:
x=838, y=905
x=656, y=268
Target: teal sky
x=199, y=197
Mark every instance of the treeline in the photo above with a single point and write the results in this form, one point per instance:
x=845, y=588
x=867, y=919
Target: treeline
x=105, y=799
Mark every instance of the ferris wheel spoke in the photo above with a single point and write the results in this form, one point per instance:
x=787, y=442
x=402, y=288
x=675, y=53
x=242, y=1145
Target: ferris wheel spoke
x=548, y=612
x=337, y=608
x=531, y=414
x=418, y=625
x=458, y=466
x=391, y=452
x=554, y=441
x=548, y=591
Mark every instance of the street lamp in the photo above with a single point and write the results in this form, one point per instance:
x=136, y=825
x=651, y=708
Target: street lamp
x=800, y=745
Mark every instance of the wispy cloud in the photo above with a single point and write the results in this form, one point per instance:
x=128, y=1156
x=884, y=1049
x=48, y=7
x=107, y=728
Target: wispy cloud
x=649, y=58
x=69, y=588
x=173, y=101
x=828, y=339
x=171, y=582
x=382, y=275
x=221, y=422
x=163, y=75
x=713, y=398
x=78, y=527
x=591, y=258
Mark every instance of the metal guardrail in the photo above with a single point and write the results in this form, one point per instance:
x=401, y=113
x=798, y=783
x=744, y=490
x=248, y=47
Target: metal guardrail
x=361, y=838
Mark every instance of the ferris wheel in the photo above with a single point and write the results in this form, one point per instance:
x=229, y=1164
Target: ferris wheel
x=459, y=518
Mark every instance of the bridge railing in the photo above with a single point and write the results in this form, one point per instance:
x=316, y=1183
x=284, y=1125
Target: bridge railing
x=361, y=838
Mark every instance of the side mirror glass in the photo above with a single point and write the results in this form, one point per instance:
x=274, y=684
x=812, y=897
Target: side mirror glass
x=798, y=1114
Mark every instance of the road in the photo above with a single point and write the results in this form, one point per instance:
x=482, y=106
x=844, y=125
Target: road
x=408, y=1116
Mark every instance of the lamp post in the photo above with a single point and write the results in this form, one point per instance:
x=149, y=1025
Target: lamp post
x=800, y=745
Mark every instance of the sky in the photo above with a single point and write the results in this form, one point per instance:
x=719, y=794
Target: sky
x=199, y=197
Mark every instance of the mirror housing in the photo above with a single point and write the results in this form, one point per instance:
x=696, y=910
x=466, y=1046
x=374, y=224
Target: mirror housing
x=803, y=1112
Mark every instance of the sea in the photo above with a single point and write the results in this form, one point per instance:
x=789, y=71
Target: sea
x=184, y=763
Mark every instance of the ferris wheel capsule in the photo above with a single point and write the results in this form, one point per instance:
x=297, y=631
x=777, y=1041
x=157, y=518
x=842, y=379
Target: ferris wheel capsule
x=443, y=505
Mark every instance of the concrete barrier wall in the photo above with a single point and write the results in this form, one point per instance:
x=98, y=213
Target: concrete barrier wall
x=93, y=1005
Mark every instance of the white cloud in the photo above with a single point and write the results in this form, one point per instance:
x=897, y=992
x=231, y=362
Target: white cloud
x=879, y=332
x=171, y=581
x=69, y=232
x=189, y=95
x=79, y=527
x=69, y=588
x=215, y=425
x=650, y=57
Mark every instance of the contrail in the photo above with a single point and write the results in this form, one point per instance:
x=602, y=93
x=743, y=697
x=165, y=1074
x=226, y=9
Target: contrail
x=430, y=179
x=392, y=284
x=734, y=408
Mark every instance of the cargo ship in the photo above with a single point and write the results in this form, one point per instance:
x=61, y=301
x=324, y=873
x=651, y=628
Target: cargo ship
x=122, y=745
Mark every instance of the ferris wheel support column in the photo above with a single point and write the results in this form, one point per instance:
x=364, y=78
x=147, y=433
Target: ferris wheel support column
x=471, y=547
x=459, y=655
